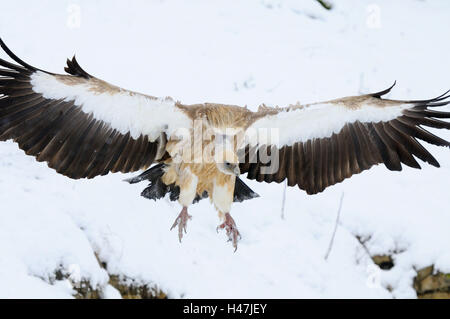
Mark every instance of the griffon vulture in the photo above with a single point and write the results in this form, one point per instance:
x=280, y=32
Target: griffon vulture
x=85, y=127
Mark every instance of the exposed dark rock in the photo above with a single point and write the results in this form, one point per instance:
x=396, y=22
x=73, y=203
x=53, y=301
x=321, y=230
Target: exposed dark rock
x=83, y=289
x=429, y=284
x=129, y=289
x=385, y=262
x=432, y=285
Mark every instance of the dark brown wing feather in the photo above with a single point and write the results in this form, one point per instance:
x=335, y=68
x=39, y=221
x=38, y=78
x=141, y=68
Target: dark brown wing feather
x=59, y=133
x=316, y=164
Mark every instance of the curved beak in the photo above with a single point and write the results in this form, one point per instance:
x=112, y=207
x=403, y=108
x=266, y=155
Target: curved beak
x=236, y=170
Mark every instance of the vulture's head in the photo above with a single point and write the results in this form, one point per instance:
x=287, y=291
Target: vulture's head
x=229, y=168
x=226, y=159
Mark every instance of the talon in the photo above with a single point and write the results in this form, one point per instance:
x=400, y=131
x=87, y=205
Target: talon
x=221, y=226
x=181, y=222
x=232, y=232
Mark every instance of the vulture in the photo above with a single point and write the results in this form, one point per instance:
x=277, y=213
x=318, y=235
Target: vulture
x=84, y=127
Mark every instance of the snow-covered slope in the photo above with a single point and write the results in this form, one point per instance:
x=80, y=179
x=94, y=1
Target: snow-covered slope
x=247, y=53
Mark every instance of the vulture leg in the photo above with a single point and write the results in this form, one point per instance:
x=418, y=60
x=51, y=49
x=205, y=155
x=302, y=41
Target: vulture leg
x=188, y=186
x=232, y=232
x=181, y=222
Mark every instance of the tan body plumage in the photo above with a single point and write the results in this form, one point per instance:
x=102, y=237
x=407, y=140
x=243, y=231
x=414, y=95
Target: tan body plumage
x=204, y=174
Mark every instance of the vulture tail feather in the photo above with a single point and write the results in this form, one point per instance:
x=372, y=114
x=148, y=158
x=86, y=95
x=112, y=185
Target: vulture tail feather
x=157, y=189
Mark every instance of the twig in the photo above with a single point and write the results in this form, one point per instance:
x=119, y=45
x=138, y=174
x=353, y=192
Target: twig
x=325, y=4
x=284, y=200
x=335, y=227
x=363, y=244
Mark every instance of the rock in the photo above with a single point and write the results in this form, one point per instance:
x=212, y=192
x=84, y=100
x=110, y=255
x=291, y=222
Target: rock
x=385, y=262
x=427, y=283
x=432, y=285
x=85, y=291
x=83, y=288
x=130, y=290
x=127, y=287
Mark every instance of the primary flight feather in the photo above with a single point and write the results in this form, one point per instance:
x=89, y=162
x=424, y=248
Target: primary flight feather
x=85, y=127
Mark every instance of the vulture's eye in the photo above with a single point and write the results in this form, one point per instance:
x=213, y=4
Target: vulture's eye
x=227, y=164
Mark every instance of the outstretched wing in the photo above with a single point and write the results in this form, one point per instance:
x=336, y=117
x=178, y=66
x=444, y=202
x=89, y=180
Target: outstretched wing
x=321, y=144
x=80, y=125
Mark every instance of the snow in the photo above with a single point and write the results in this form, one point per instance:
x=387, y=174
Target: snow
x=261, y=51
